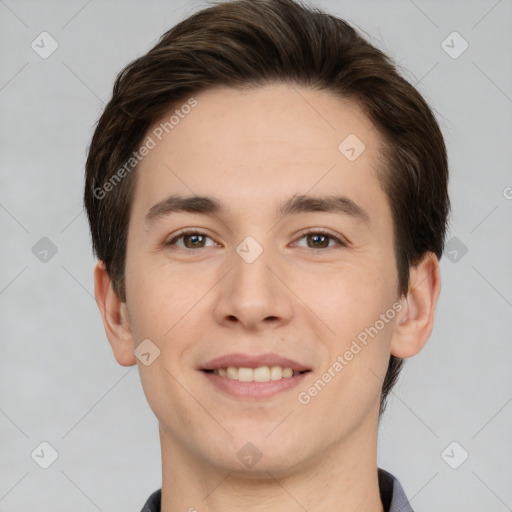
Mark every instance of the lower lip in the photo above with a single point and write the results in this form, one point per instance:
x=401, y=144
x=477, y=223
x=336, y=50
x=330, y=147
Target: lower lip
x=253, y=389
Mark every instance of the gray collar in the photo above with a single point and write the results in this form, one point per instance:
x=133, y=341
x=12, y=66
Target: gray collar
x=391, y=493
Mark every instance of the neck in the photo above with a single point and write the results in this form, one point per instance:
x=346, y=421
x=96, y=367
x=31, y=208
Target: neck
x=342, y=478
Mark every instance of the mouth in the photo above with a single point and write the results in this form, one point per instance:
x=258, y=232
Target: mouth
x=253, y=376
x=258, y=374
x=254, y=390
x=255, y=362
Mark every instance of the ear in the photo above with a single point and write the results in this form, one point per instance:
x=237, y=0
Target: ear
x=416, y=320
x=115, y=317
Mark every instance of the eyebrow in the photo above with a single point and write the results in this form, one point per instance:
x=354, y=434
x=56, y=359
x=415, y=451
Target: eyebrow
x=207, y=205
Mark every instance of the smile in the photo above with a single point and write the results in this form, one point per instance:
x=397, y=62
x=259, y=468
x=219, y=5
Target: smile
x=253, y=383
x=260, y=374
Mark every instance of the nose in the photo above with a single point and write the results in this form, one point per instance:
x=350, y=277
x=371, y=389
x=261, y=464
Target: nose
x=254, y=295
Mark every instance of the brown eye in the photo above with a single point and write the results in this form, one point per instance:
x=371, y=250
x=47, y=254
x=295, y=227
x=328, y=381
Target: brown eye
x=318, y=240
x=191, y=240
x=194, y=240
x=321, y=240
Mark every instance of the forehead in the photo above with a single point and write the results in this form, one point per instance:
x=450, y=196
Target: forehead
x=259, y=146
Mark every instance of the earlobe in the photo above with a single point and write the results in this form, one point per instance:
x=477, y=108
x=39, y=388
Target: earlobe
x=115, y=317
x=416, y=320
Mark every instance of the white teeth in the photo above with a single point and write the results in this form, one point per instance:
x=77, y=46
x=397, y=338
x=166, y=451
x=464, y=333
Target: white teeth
x=276, y=373
x=287, y=372
x=232, y=373
x=260, y=374
x=245, y=374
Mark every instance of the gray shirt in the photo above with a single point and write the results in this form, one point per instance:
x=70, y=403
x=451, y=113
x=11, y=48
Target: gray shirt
x=391, y=494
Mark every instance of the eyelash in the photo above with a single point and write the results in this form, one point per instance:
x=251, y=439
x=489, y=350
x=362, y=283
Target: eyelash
x=302, y=234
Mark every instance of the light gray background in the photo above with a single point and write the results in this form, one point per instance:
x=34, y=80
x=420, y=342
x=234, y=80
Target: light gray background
x=59, y=381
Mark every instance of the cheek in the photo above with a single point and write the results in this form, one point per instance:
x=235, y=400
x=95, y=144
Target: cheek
x=157, y=296
x=165, y=306
x=365, y=338
x=350, y=297
x=167, y=397
x=356, y=304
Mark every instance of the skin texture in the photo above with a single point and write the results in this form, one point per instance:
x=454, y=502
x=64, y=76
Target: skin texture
x=252, y=150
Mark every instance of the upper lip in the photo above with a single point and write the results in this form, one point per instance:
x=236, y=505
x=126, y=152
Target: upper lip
x=240, y=360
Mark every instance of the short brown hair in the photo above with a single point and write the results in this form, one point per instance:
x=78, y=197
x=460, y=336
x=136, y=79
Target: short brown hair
x=252, y=43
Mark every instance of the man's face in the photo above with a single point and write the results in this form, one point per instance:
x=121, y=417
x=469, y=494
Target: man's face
x=251, y=282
